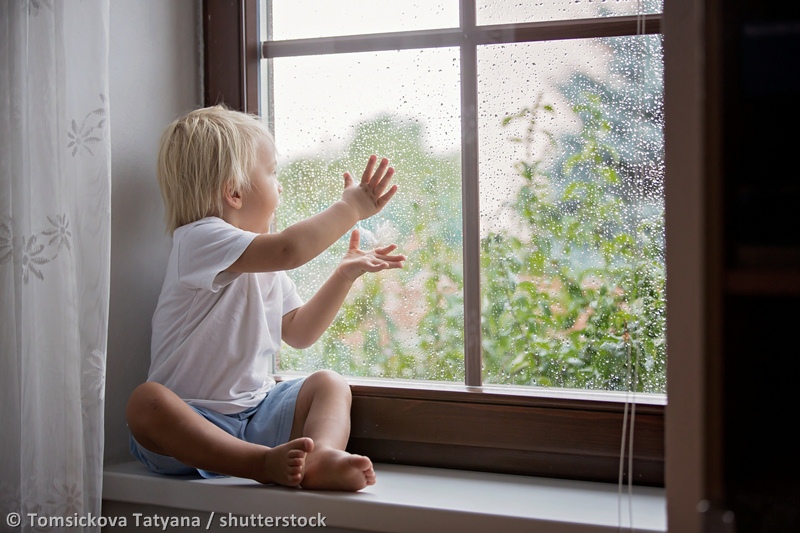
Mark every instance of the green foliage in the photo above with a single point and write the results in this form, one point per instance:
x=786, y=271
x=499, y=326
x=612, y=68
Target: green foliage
x=576, y=294
x=573, y=291
x=400, y=324
x=574, y=298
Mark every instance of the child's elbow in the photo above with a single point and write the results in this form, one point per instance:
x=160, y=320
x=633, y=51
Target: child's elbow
x=291, y=254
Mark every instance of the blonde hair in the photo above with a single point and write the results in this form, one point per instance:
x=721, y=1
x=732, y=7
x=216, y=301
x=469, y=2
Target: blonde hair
x=202, y=154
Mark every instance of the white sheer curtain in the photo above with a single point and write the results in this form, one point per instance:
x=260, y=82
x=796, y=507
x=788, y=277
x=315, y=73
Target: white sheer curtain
x=54, y=257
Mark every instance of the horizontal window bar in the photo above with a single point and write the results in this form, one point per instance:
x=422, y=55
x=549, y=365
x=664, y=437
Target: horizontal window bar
x=500, y=394
x=481, y=35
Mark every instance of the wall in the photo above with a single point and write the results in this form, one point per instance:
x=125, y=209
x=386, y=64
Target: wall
x=155, y=75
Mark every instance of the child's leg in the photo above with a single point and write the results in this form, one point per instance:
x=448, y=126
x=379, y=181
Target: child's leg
x=322, y=413
x=163, y=423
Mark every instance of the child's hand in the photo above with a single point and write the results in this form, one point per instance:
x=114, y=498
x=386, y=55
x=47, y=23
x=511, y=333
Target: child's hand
x=357, y=261
x=370, y=196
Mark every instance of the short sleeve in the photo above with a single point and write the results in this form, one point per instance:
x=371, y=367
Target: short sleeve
x=206, y=250
x=291, y=300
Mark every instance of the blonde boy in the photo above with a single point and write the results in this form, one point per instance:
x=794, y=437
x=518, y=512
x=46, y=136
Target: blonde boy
x=209, y=404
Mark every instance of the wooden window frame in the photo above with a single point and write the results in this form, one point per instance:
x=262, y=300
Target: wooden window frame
x=552, y=433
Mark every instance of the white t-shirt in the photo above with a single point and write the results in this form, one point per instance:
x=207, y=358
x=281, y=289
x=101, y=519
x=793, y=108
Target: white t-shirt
x=215, y=332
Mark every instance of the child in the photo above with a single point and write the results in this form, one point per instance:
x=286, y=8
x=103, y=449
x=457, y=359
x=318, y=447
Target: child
x=209, y=404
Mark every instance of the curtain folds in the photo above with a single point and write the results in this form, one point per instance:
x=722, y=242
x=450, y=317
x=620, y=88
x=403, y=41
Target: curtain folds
x=55, y=178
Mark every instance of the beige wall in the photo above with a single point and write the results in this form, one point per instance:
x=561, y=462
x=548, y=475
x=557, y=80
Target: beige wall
x=155, y=75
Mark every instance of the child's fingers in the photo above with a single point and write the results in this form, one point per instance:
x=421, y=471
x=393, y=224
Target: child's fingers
x=392, y=264
x=365, y=177
x=390, y=258
x=383, y=200
x=348, y=180
x=355, y=238
x=385, y=180
x=386, y=249
x=380, y=172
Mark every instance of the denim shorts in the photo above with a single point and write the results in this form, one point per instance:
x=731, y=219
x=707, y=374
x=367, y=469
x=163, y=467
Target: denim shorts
x=268, y=423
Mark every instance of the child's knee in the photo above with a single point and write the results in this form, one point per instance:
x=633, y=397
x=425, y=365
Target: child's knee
x=144, y=399
x=329, y=381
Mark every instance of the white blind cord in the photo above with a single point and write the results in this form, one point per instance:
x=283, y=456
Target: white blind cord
x=632, y=384
x=632, y=380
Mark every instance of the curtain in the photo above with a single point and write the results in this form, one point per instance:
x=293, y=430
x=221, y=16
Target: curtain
x=55, y=179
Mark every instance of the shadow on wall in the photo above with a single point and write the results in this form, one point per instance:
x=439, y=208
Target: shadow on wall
x=139, y=252
x=152, y=81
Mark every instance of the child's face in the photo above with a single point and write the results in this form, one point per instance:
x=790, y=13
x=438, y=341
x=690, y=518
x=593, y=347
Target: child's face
x=261, y=200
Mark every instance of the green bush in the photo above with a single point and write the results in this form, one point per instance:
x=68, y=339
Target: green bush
x=572, y=296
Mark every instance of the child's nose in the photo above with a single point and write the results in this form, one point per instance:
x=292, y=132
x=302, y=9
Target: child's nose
x=280, y=187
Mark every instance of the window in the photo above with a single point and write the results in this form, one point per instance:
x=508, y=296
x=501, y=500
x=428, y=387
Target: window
x=472, y=153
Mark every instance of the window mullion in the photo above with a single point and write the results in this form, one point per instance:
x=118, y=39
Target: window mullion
x=470, y=209
x=267, y=108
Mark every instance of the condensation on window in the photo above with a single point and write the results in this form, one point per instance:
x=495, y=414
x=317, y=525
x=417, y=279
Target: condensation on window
x=572, y=214
x=330, y=114
x=520, y=11
x=304, y=19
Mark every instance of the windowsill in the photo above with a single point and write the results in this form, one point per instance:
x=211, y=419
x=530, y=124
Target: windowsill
x=408, y=498
x=525, y=395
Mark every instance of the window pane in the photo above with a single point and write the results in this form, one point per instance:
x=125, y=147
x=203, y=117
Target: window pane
x=514, y=11
x=303, y=19
x=571, y=181
x=330, y=114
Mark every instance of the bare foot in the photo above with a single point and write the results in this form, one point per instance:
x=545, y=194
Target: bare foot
x=286, y=464
x=332, y=469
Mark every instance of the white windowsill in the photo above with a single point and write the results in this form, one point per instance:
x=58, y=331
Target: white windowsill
x=409, y=499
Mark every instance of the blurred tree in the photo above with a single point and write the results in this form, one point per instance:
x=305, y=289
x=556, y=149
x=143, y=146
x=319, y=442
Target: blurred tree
x=573, y=297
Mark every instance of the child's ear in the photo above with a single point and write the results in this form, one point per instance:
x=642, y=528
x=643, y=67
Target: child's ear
x=233, y=198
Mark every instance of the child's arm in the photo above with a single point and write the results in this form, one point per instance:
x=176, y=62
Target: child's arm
x=303, y=241
x=302, y=327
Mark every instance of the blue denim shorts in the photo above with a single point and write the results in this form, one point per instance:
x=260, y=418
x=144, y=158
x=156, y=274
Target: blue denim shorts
x=268, y=423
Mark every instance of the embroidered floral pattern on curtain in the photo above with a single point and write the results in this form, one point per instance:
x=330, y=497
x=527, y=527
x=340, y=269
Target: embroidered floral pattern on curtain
x=55, y=178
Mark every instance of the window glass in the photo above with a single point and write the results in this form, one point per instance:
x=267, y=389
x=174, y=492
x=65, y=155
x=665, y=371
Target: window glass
x=570, y=148
x=572, y=226
x=516, y=11
x=303, y=19
x=329, y=114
